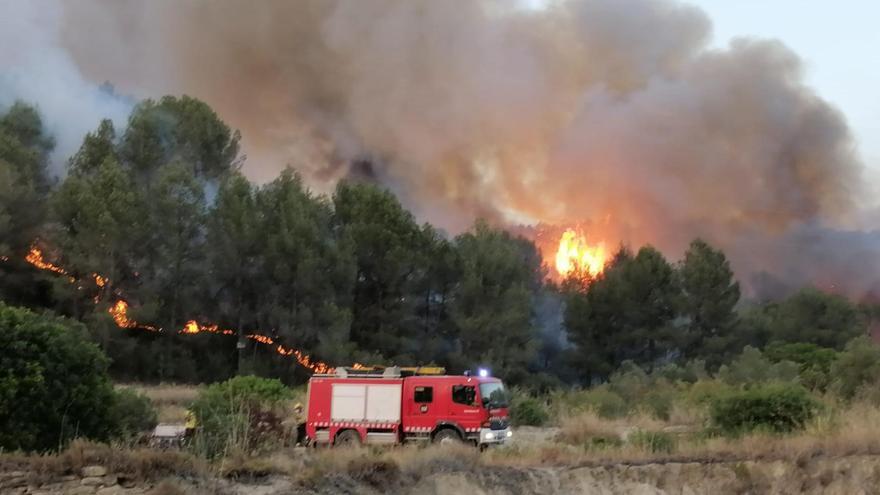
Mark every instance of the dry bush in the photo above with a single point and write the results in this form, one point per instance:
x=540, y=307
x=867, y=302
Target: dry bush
x=171, y=413
x=385, y=466
x=589, y=429
x=541, y=454
x=167, y=488
x=240, y=465
x=683, y=414
x=367, y=465
x=167, y=393
x=423, y=460
x=134, y=464
x=835, y=432
x=170, y=400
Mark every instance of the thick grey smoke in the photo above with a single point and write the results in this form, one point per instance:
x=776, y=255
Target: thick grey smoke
x=612, y=112
x=36, y=68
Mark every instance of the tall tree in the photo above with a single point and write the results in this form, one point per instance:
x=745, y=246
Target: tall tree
x=180, y=129
x=430, y=326
x=493, y=303
x=24, y=185
x=626, y=313
x=96, y=148
x=174, y=263
x=812, y=316
x=234, y=246
x=97, y=213
x=388, y=247
x=709, y=295
x=307, y=270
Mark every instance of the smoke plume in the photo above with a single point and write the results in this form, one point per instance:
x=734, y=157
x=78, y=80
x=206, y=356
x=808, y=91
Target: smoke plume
x=615, y=113
x=36, y=68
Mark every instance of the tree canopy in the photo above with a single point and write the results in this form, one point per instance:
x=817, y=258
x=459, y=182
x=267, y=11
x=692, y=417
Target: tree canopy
x=209, y=268
x=50, y=369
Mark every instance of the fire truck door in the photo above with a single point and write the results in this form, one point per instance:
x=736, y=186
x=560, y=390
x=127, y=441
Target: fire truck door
x=422, y=409
x=463, y=405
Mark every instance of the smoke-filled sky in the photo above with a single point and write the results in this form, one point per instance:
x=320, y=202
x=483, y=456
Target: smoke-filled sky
x=836, y=40
x=621, y=114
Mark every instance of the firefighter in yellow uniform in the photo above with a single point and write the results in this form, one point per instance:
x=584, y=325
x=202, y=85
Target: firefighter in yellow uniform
x=190, y=424
x=299, y=419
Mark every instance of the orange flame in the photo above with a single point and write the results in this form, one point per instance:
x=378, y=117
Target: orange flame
x=119, y=312
x=35, y=257
x=575, y=254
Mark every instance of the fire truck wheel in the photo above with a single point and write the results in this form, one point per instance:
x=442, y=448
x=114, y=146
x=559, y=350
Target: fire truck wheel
x=347, y=438
x=447, y=436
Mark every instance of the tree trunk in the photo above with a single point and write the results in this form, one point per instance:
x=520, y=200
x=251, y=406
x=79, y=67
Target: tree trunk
x=241, y=345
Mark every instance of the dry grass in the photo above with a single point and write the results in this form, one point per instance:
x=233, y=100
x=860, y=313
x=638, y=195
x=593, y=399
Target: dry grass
x=837, y=432
x=850, y=431
x=360, y=464
x=240, y=465
x=167, y=393
x=167, y=488
x=133, y=464
x=170, y=400
x=588, y=428
x=690, y=416
x=383, y=467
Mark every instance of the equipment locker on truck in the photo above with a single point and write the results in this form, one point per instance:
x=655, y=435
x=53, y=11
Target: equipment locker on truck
x=394, y=405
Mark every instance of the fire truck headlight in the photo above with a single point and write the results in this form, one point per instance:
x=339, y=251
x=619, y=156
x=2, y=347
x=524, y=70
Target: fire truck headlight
x=509, y=434
x=489, y=435
x=483, y=372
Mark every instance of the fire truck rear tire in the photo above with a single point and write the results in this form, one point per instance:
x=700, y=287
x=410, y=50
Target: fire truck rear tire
x=347, y=438
x=447, y=436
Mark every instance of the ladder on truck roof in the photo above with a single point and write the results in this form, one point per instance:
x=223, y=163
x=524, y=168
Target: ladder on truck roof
x=386, y=371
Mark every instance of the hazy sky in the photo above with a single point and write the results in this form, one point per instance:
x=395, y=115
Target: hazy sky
x=839, y=41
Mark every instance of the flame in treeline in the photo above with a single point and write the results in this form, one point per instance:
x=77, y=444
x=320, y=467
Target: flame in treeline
x=119, y=312
x=575, y=254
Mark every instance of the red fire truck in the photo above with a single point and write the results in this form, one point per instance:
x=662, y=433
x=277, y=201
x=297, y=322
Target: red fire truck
x=393, y=405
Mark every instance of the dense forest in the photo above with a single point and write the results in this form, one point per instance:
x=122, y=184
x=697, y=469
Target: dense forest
x=158, y=217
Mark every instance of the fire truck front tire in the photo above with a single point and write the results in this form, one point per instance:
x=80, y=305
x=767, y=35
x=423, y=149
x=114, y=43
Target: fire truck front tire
x=447, y=436
x=347, y=438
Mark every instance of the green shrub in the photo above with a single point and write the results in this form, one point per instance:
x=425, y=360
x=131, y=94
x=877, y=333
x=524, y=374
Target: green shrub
x=652, y=393
x=528, y=411
x=132, y=414
x=704, y=392
x=858, y=366
x=752, y=367
x=630, y=381
x=814, y=362
x=653, y=441
x=242, y=413
x=776, y=407
x=606, y=403
x=692, y=372
x=53, y=382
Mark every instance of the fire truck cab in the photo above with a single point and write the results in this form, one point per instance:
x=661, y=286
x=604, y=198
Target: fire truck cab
x=395, y=405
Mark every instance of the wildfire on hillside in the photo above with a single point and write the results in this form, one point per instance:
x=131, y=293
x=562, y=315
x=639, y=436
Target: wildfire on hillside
x=575, y=254
x=571, y=250
x=119, y=311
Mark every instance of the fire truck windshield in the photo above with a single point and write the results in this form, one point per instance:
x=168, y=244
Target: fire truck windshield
x=494, y=395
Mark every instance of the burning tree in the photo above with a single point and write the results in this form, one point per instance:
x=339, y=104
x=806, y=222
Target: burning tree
x=626, y=313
